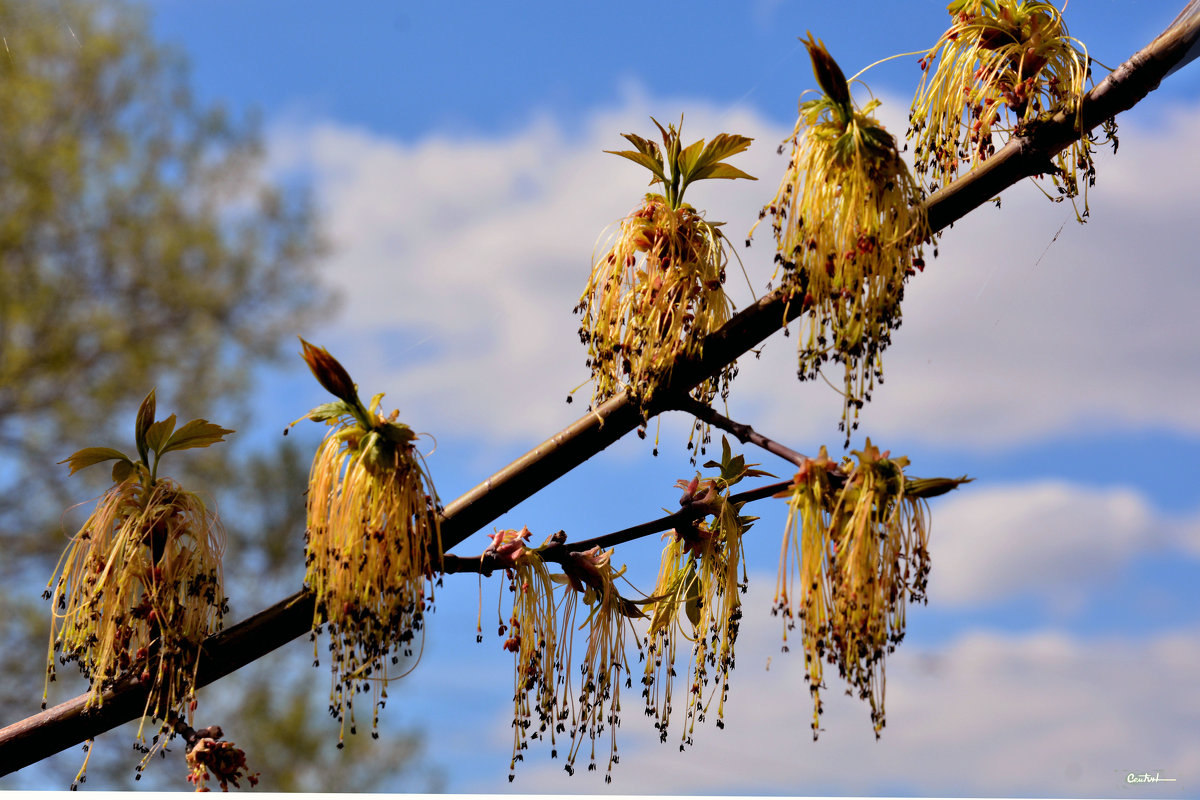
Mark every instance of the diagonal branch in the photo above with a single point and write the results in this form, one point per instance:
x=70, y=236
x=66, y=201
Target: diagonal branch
x=67, y=724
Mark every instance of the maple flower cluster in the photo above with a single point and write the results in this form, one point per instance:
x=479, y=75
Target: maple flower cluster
x=139, y=587
x=658, y=288
x=849, y=231
x=854, y=555
x=1001, y=67
x=372, y=540
x=698, y=596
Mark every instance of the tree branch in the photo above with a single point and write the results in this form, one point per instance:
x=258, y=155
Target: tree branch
x=744, y=433
x=67, y=724
x=479, y=564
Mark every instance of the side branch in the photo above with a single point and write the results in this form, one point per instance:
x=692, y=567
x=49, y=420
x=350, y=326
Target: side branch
x=744, y=433
x=479, y=564
x=67, y=724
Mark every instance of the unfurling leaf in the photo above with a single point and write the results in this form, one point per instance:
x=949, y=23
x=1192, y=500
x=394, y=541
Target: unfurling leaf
x=683, y=165
x=829, y=75
x=145, y=418
x=92, y=455
x=197, y=433
x=933, y=487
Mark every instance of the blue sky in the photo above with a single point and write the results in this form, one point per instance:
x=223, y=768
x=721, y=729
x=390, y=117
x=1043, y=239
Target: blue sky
x=455, y=151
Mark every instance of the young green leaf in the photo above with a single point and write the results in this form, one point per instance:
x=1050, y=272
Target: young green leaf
x=330, y=410
x=91, y=455
x=727, y=171
x=707, y=164
x=197, y=433
x=722, y=146
x=692, y=605
x=647, y=155
x=688, y=159
x=645, y=160
x=121, y=470
x=159, y=432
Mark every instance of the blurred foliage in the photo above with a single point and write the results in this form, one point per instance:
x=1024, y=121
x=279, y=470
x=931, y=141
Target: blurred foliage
x=142, y=245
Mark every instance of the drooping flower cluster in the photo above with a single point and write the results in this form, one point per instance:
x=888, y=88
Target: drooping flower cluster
x=372, y=541
x=532, y=638
x=854, y=554
x=657, y=290
x=139, y=588
x=1000, y=66
x=697, y=595
x=540, y=635
x=849, y=229
x=591, y=577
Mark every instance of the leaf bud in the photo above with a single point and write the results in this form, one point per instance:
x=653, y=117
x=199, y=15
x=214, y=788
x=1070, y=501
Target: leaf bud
x=329, y=373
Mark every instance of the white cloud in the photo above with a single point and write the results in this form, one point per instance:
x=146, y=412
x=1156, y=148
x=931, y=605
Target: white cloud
x=1040, y=713
x=461, y=260
x=1051, y=540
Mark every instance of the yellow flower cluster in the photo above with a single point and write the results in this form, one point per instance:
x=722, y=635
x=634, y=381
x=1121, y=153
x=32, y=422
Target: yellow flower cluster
x=140, y=586
x=848, y=229
x=658, y=289
x=373, y=537
x=532, y=638
x=540, y=636
x=698, y=595
x=1000, y=66
x=855, y=552
x=592, y=579
x=651, y=298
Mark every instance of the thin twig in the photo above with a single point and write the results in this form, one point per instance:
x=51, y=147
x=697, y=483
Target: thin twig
x=744, y=433
x=480, y=563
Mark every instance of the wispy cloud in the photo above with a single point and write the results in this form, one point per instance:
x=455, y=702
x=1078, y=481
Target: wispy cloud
x=1052, y=541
